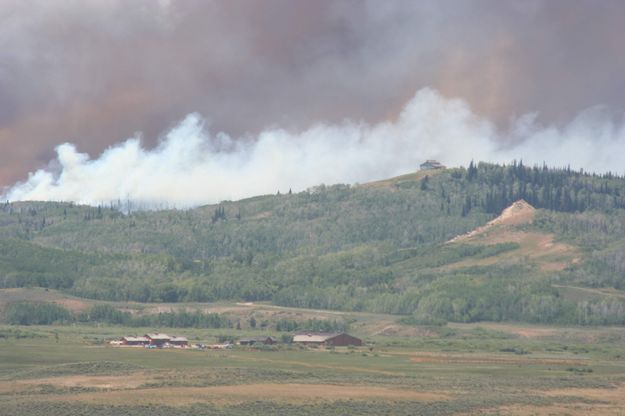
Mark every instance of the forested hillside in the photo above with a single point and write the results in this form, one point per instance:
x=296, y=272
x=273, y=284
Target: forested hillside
x=377, y=247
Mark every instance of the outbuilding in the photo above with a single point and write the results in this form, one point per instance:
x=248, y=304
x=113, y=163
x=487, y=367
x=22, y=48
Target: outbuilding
x=135, y=341
x=340, y=339
x=179, y=342
x=257, y=340
x=157, y=339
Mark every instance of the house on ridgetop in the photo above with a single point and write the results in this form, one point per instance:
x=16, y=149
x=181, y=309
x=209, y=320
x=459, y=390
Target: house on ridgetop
x=431, y=164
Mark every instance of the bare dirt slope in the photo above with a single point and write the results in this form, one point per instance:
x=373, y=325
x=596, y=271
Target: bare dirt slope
x=514, y=226
x=519, y=213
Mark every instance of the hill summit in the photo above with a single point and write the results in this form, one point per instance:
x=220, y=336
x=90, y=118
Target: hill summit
x=519, y=212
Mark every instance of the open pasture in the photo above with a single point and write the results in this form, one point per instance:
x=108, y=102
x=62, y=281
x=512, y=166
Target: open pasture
x=462, y=370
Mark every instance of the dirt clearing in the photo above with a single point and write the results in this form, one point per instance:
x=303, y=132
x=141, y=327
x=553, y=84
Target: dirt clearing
x=102, y=382
x=518, y=213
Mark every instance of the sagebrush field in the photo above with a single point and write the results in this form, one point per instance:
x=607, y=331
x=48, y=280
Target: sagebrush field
x=458, y=369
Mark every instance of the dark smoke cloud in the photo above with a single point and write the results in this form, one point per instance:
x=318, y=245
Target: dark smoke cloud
x=95, y=72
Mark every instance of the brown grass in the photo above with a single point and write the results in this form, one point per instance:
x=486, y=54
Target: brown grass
x=323, y=366
x=613, y=403
x=74, y=305
x=443, y=358
x=100, y=382
x=184, y=396
x=516, y=329
x=536, y=247
x=394, y=329
x=533, y=332
x=41, y=295
x=573, y=408
x=616, y=394
x=409, y=177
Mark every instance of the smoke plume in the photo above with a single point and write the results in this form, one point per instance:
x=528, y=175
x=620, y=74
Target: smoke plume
x=94, y=72
x=192, y=166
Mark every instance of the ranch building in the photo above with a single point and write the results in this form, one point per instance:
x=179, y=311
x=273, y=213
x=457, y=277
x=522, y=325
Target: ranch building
x=179, y=341
x=257, y=340
x=158, y=340
x=135, y=341
x=327, y=339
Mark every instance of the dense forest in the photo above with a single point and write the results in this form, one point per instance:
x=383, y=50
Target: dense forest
x=376, y=247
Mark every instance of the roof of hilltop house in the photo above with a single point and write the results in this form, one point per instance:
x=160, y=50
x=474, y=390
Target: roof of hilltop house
x=432, y=164
x=178, y=339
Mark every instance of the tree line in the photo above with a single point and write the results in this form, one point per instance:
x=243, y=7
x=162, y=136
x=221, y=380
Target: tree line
x=43, y=313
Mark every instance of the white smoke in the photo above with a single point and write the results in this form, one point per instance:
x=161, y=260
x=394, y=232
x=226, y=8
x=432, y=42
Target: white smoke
x=191, y=166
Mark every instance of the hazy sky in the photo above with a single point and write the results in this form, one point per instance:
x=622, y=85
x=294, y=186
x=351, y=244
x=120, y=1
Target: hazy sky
x=94, y=73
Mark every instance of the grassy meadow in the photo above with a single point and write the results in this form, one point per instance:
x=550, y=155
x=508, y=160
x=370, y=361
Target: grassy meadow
x=490, y=368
